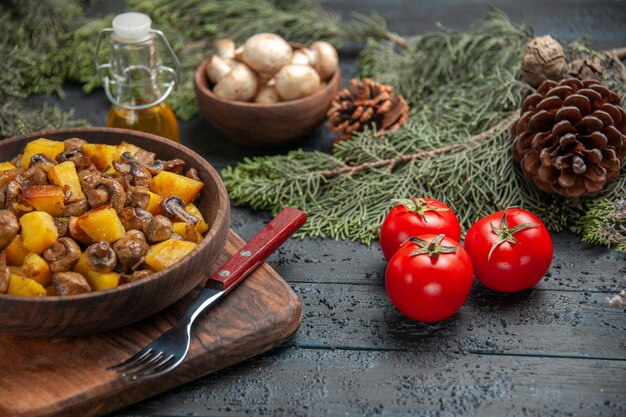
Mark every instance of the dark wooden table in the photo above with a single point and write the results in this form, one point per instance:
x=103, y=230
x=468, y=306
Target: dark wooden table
x=556, y=350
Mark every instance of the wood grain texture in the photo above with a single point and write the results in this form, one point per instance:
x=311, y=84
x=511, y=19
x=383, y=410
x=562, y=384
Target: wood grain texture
x=342, y=382
x=66, y=377
x=550, y=323
x=105, y=310
x=264, y=125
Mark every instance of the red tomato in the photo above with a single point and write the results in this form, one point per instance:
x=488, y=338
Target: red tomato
x=429, y=278
x=511, y=250
x=414, y=217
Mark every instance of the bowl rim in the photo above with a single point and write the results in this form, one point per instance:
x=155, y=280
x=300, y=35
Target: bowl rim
x=220, y=217
x=201, y=82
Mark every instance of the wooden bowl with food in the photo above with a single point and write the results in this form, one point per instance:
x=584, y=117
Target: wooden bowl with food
x=255, y=104
x=102, y=227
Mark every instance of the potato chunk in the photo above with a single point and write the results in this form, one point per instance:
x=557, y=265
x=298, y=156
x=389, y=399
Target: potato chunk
x=167, y=253
x=101, y=155
x=25, y=287
x=16, y=252
x=187, y=231
x=64, y=175
x=6, y=166
x=102, y=280
x=101, y=224
x=125, y=147
x=48, y=198
x=154, y=204
x=36, y=268
x=168, y=184
x=42, y=145
x=202, y=225
x=38, y=231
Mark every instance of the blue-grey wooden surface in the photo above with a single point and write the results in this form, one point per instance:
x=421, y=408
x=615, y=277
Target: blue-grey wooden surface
x=556, y=350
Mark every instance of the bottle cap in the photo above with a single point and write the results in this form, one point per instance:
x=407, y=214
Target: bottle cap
x=131, y=27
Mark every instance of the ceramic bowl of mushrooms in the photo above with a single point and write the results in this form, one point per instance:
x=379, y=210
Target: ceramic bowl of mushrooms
x=102, y=227
x=267, y=92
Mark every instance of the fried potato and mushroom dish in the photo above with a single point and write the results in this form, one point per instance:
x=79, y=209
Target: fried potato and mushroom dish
x=77, y=217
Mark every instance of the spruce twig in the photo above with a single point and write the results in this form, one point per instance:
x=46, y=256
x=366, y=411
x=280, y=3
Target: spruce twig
x=392, y=162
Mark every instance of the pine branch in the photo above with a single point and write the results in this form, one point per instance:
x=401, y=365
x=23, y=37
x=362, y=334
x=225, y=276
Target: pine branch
x=392, y=162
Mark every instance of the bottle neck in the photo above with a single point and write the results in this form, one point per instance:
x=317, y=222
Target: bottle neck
x=134, y=70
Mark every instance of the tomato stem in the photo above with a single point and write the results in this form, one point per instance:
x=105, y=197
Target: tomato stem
x=432, y=248
x=505, y=234
x=417, y=205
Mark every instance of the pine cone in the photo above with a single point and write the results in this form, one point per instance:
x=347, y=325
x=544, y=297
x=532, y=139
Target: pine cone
x=366, y=103
x=570, y=138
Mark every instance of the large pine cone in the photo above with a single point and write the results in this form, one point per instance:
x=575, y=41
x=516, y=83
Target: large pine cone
x=570, y=138
x=366, y=103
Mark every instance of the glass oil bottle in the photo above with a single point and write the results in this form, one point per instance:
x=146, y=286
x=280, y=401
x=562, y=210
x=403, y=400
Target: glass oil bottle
x=135, y=80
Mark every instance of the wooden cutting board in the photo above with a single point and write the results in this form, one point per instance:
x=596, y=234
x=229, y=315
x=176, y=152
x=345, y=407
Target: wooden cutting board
x=66, y=377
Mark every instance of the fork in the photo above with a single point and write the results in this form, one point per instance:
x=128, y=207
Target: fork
x=169, y=350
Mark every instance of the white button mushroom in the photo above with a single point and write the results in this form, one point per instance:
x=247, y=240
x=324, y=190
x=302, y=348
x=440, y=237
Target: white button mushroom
x=296, y=81
x=217, y=68
x=327, y=59
x=267, y=94
x=304, y=56
x=266, y=53
x=239, y=84
x=225, y=48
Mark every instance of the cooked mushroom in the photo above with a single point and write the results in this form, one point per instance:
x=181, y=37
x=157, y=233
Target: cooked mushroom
x=62, y=255
x=134, y=218
x=136, y=276
x=174, y=208
x=144, y=157
x=89, y=177
x=107, y=191
x=131, y=250
x=158, y=229
x=70, y=283
x=43, y=161
x=73, y=143
x=75, y=155
x=6, y=178
x=9, y=227
x=76, y=209
x=101, y=257
x=4, y=273
x=193, y=174
x=17, y=161
x=139, y=173
x=138, y=197
x=174, y=165
x=62, y=224
x=37, y=172
x=12, y=194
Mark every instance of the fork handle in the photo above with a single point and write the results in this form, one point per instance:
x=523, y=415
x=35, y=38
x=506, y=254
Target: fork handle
x=257, y=249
